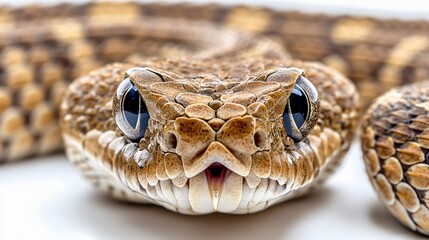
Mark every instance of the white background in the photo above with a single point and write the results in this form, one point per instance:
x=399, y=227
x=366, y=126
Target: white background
x=46, y=199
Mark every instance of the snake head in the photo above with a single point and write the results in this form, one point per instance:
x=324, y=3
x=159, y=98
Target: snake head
x=210, y=141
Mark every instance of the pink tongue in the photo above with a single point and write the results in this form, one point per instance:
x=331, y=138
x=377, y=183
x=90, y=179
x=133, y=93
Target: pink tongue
x=216, y=175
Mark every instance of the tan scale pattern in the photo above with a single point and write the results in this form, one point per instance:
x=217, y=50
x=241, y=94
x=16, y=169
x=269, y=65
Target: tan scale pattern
x=396, y=156
x=41, y=58
x=154, y=168
x=38, y=70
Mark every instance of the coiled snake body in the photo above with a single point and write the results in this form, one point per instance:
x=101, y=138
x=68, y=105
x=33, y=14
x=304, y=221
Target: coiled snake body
x=201, y=117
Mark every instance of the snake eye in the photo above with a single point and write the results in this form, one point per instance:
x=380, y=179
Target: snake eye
x=131, y=113
x=298, y=107
x=301, y=110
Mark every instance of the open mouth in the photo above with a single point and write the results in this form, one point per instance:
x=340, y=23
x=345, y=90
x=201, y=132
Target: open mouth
x=216, y=175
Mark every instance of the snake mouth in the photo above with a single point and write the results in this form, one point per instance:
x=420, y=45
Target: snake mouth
x=216, y=175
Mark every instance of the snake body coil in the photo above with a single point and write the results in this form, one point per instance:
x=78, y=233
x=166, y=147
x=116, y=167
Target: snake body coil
x=200, y=117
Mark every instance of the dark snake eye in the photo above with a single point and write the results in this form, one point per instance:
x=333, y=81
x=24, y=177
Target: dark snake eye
x=131, y=113
x=297, y=111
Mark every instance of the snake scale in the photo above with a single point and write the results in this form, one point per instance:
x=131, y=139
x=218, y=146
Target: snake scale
x=205, y=108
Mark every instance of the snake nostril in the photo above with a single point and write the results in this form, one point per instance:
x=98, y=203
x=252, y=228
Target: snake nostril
x=260, y=138
x=171, y=140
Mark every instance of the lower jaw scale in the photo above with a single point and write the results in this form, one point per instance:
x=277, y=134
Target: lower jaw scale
x=218, y=189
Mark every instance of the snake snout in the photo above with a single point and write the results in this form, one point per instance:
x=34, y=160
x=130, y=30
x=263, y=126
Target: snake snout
x=199, y=145
x=214, y=159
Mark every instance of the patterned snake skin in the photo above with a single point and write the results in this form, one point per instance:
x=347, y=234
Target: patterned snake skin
x=216, y=88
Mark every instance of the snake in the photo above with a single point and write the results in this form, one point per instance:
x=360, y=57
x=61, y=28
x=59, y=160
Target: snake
x=210, y=108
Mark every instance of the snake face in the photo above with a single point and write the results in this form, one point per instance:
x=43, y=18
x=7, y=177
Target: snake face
x=212, y=143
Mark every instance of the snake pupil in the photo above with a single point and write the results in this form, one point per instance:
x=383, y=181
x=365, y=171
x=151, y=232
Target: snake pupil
x=298, y=104
x=135, y=111
x=132, y=103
